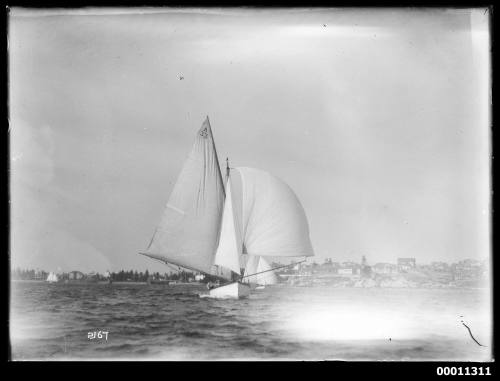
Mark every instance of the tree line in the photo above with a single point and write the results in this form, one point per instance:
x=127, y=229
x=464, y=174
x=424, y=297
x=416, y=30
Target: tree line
x=120, y=276
x=18, y=273
x=135, y=276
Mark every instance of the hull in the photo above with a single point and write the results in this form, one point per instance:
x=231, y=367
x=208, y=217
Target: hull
x=233, y=290
x=256, y=286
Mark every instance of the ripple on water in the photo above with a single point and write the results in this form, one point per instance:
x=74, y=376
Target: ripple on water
x=52, y=322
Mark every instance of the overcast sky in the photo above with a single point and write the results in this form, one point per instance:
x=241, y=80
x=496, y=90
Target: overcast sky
x=377, y=119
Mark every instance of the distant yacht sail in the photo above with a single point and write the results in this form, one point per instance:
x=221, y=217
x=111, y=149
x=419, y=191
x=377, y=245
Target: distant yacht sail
x=200, y=229
x=52, y=278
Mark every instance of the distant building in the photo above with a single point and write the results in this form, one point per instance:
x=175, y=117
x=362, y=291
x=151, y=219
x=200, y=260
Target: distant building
x=349, y=268
x=39, y=275
x=365, y=269
x=345, y=271
x=440, y=266
x=384, y=268
x=467, y=270
x=349, y=264
x=327, y=267
x=76, y=275
x=406, y=264
x=304, y=269
x=424, y=267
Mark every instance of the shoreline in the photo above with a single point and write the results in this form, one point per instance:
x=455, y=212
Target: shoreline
x=333, y=286
x=103, y=282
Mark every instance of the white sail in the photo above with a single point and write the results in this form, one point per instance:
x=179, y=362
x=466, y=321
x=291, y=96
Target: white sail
x=251, y=268
x=52, y=277
x=189, y=229
x=228, y=253
x=265, y=276
x=260, y=267
x=273, y=221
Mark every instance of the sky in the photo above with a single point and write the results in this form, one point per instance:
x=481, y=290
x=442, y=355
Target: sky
x=377, y=119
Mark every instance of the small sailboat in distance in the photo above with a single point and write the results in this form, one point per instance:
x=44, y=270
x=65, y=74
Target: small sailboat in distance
x=107, y=276
x=215, y=227
x=52, y=278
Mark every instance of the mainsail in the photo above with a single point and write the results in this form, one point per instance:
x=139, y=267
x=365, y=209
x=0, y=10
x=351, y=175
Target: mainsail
x=273, y=221
x=189, y=229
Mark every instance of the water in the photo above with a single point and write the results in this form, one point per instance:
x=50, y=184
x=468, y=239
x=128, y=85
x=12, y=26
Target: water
x=156, y=322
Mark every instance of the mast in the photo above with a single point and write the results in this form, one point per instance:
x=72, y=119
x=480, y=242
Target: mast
x=235, y=275
x=215, y=150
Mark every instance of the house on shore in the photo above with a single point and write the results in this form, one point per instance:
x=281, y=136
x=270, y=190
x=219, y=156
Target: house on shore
x=384, y=268
x=406, y=264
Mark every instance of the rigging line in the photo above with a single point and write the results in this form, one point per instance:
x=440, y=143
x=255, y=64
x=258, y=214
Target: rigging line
x=152, y=238
x=217, y=159
x=470, y=333
x=276, y=268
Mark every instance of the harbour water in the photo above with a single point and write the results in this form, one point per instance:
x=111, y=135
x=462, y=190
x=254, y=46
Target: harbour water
x=157, y=322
